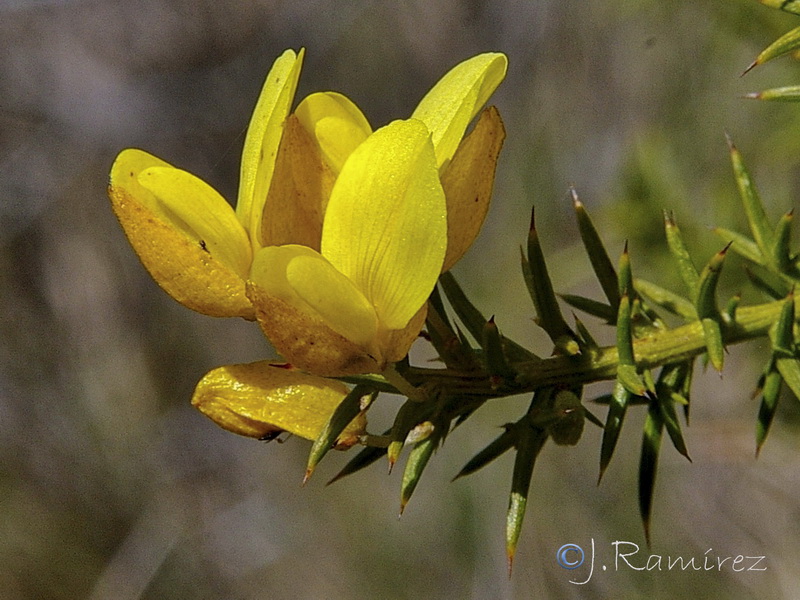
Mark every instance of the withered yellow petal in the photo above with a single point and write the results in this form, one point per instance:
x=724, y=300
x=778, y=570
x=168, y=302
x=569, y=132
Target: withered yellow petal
x=298, y=195
x=263, y=138
x=452, y=103
x=197, y=209
x=336, y=122
x=258, y=399
x=183, y=266
x=468, y=182
x=386, y=226
x=303, y=278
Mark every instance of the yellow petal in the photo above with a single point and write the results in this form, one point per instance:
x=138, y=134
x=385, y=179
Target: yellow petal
x=386, y=227
x=259, y=398
x=263, y=137
x=468, y=182
x=398, y=341
x=303, y=278
x=336, y=122
x=197, y=209
x=298, y=195
x=452, y=103
x=182, y=265
x=306, y=341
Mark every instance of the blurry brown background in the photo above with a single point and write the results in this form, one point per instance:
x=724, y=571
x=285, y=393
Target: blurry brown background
x=111, y=486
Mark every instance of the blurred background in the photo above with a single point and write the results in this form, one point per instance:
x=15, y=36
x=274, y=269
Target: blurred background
x=112, y=486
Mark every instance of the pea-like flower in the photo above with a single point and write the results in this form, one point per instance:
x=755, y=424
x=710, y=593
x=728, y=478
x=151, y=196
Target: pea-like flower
x=357, y=305
x=338, y=235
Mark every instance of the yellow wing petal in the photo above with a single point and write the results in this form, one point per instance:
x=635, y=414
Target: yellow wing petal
x=263, y=137
x=198, y=210
x=181, y=264
x=385, y=227
x=298, y=195
x=336, y=122
x=452, y=103
x=306, y=341
x=468, y=182
x=303, y=278
x=259, y=398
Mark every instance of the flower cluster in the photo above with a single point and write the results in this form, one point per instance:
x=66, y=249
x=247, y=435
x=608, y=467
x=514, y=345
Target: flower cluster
x=338, y=237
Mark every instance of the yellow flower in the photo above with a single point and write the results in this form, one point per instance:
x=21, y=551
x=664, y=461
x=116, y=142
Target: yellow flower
x=336, y=241
x=359, y=303
x=407, y=202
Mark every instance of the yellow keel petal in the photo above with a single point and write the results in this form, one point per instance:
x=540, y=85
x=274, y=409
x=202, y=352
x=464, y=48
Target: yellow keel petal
x=259, y=399
x=336, y=122
x=306, y=341
x=312, y=314
x=302, y=277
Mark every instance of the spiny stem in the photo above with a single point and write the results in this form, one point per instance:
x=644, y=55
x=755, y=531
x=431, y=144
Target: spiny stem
x=664, y=347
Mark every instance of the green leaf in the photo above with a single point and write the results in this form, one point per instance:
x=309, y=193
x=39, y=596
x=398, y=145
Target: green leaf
x=669, y=382
x=363, y=459
x=587, y=341
x=772, y=285
x=625, y=273
x=792, y=6
x=537, y=279
x=790, y=93
x=783, y=45
x=706, y=297
x=677, y=247
x=783, y=334
x=712, y=332
x=493, y=353
x=474, y=321
x=601, y=263
x=616, y=415
x=729, y=312
x=789, y=369
x=415, y=465
x=341, y=418
x=753, y=207
x=529, y=443
x=627, y=374
x=670, y=301
x=741, y=244
x=597, y=309
x=781, y=253
x=648, y=462
x=444, y=338
x=706, y=305
x=411, y=413
x=496, y=448
x=770, y=393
